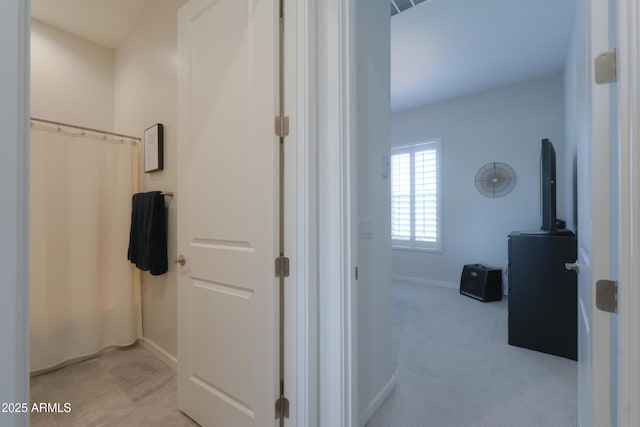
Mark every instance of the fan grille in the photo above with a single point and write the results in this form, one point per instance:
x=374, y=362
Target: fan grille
x=495, y=179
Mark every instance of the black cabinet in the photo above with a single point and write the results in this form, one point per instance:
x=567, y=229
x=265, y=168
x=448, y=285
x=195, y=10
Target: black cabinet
x=543, y=294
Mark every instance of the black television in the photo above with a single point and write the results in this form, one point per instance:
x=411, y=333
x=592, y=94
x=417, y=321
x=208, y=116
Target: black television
x=548, y=186
x=550, y=223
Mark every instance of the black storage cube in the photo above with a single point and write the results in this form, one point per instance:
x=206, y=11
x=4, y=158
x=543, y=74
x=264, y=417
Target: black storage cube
x=482, y=283
x=543, y=294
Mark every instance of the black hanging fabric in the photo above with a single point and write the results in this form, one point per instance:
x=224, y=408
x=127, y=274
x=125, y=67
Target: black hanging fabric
x=148, y=235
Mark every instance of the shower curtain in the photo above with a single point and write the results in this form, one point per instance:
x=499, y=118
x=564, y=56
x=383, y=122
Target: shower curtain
x=83, y=297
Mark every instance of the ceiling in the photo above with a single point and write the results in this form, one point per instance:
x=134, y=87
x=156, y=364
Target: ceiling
x=440, y=49
x=443, y=49
x=106, y=22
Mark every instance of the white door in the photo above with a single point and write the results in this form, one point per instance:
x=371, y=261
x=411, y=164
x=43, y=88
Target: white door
x=594, y=218
x=226, y=197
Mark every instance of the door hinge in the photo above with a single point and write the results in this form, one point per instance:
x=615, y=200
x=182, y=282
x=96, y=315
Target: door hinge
x=282, y=408
x=282, y=267
x=282, y=126
x=607, y=295
x=604, y=68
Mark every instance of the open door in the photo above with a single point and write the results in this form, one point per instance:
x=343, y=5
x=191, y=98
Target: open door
x=227, y=203
x=595, y=202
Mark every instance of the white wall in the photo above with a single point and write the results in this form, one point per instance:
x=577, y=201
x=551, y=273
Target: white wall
x=14, y=210
x=145, y=94
x=71, y=78
x=375, y=379
x=503, y=125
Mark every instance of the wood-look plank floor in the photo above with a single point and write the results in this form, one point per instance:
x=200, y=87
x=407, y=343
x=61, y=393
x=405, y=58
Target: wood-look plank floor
x=125, y=387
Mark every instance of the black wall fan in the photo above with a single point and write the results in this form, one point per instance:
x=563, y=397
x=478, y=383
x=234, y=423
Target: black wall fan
x=495, y=179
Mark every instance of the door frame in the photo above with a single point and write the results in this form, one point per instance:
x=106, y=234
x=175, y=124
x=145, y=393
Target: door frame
x=628, y=36
x=336, y=44
x=334, y=101
x=301, y=235
x=595, y=335
x=320, y=153
x=325, y=171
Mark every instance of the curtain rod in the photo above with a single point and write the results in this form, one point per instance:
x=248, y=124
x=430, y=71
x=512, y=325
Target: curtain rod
x=51, y=122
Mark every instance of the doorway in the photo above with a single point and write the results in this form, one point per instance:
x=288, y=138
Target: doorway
x=110, y=67
x=152, y=41
x=502, y=119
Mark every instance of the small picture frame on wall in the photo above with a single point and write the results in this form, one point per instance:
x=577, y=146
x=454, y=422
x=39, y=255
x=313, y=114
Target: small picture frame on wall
x=153, y=148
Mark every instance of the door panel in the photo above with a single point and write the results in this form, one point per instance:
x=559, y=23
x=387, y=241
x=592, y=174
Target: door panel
x=594, y=218
x=227, y=211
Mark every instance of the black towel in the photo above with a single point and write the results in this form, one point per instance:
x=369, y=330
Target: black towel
x=148, y=236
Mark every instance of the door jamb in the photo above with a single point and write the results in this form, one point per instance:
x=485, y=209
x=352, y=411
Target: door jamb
x=301, y=180
x=337, y=288
x=628, y=20
x=14, y=214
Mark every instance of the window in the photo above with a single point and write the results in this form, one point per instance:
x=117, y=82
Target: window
x=416, y=196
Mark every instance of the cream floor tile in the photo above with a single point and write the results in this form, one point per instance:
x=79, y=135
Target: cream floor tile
x=125, y=387
x=102, y=411
x=79, y=383
x=42, y=420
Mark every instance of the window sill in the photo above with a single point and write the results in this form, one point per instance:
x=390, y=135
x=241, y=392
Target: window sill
x=407, y=249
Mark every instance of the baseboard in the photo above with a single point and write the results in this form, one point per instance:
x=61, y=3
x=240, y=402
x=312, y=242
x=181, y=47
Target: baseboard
x=159, y=352
x=421, y=281
x=78, y=359
x=452, y=285
x=378, y=401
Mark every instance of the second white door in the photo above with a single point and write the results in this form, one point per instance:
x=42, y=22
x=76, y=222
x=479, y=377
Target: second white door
x=227, y=204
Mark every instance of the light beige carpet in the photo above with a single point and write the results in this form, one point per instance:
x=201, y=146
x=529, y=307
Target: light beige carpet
x=454, y=367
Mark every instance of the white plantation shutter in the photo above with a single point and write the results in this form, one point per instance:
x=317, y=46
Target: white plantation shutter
x=426, y=192
x=416, y=204
x=401, y=196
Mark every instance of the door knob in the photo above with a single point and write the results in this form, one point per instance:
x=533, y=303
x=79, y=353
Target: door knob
x=180, y=260
x=575, y=266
